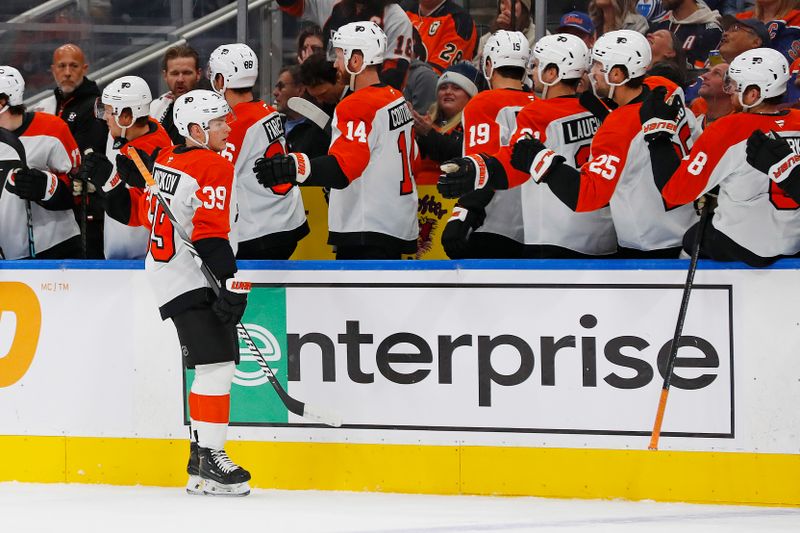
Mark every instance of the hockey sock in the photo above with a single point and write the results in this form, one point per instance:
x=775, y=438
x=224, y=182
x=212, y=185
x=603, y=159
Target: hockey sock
x=209, y=403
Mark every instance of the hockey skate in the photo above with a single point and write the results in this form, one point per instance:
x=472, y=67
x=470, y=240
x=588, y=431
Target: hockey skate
x=195, y=483
x=220, y=476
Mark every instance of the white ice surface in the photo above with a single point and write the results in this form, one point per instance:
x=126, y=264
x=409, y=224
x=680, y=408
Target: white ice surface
x=110, y=509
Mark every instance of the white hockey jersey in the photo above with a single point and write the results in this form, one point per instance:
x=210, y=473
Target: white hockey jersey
x=373, y=143
x=751, y=209
x=258, y=132
x=619, y=173
x=121, y=241
x=49, y=146
x=566, y=127
x=489, y=120
x=198, y=184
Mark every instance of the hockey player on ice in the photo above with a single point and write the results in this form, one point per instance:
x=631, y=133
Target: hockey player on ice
x=488, y=223
x=271, y=221
x=198, y=184
x=125, y=107
x=373, y=200
x=560, y=121
x=754, y=221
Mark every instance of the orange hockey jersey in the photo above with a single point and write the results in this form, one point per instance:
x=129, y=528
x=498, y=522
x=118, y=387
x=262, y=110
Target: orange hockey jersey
x=448, y=33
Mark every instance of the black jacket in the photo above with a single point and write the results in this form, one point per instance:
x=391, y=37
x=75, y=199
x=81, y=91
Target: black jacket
x=77, y=110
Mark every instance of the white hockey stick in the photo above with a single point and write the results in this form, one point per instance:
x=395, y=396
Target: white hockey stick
x=292, y=404
x=310, y=111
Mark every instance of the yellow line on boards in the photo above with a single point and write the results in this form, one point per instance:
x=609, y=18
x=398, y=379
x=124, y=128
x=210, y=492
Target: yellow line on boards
x=707, y=477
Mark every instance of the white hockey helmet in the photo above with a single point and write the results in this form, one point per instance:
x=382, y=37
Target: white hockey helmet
x=127, y=92
x=11, y=84
x=566, y=51
x=198, y=107
x=236, y=63
x=366, y=37
x=623, y=48
x=506, y=49
x=765, y=68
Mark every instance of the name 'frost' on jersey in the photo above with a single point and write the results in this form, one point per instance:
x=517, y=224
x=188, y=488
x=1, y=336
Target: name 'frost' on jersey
x=373, y=142
x=258, y=132
x=49, y=145
x=751, y=209
x=566, y=127
x=198, y=185
x=489, y=120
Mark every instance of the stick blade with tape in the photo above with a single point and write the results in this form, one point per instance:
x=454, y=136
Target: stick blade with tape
x=310, y=111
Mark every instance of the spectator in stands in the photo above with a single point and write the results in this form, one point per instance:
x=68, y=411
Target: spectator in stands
x=731, y=7
x=714, y=102
x=447, y=31
x=742, y=35
x=523, y=21
x=439, y=132
x=610, y=15
x=579, y=24
x=181, y=71
x=782, y=20
x=420, y=89
x=694, y=24
x=309, y=42
x=649, y=9
x=669, y=60
x=73, y=100
x=302, y=135
x=322, y=81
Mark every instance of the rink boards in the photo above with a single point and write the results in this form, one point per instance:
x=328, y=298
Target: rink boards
x=487, y=377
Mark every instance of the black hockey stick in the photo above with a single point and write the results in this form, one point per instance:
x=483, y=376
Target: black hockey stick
x=673, y=351
x=292, y=404
x=13, y=141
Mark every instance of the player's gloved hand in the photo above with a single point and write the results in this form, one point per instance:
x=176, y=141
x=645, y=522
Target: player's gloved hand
x=129, y=172
x=455, y=237
x=283, y=168
x=95, y=169
x=771, y=154
x=231, y=301
x=659, y=118
x=462, y=175
x=32, y=184
x=529, y=155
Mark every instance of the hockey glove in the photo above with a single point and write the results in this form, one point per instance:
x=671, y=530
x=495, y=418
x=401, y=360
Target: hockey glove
x=32, y=184
x=529, y=155
x=95, y=169
x=771, y=154
x=659, y=118
x=462, y=175
x=231, y=301
x=455, y=237
x=291, y=168
x=129, y=172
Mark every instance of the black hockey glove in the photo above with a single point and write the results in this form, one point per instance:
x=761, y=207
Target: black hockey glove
x=529, y=155
x=129, y=172
x=771, y=154
x=34, y=185
x=455, y=237
x=291, y=168
x=95, y=169
x=659, y=118
x=462, y=175
x=230, y=303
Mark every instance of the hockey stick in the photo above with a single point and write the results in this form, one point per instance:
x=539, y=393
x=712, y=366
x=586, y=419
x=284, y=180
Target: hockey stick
x=13, y=141
x=310, y=111
x=292, y=404
x=673, y=352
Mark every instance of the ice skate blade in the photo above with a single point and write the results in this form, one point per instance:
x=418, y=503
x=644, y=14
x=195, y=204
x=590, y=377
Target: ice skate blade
x=212, y=488
x=194, y=485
